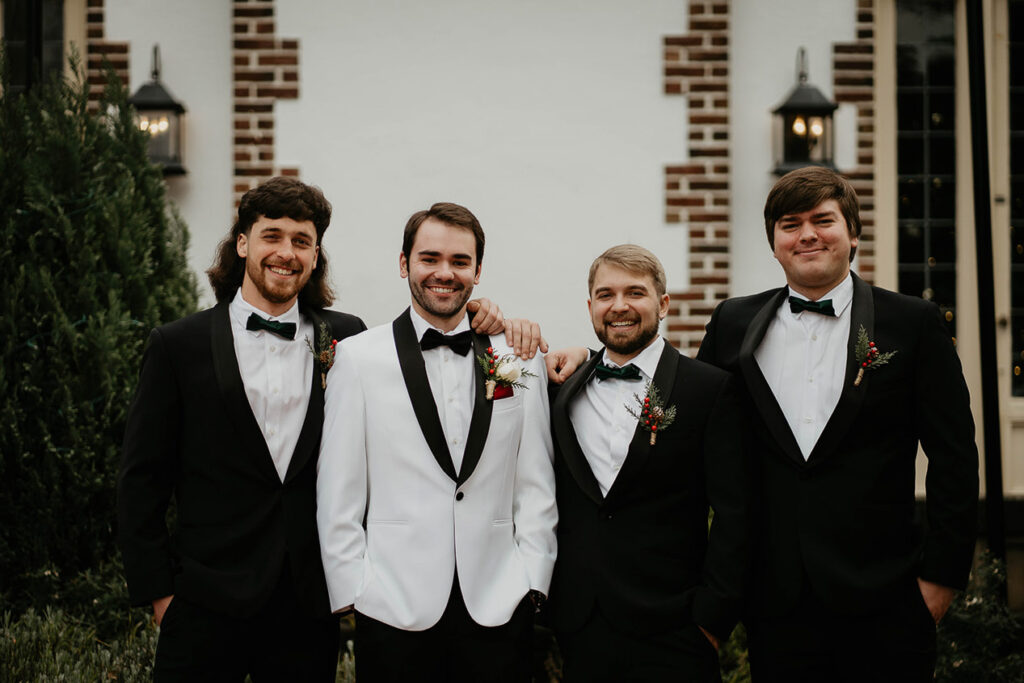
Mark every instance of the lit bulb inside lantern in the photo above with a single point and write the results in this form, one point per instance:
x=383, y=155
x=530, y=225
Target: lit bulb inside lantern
x=799, y=127
x=817, y=126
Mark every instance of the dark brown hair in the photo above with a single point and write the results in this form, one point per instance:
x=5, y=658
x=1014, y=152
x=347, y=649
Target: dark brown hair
x=276, y=198
x=805, y=188
x=449, y=214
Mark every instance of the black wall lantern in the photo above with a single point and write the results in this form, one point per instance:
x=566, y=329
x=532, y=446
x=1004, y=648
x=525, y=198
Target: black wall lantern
x=803, y=125
x=160, y=115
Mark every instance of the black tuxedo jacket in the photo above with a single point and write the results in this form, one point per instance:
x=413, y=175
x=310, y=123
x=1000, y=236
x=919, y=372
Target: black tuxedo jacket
x=643, y=554
x=192, y=435
x=845, y=517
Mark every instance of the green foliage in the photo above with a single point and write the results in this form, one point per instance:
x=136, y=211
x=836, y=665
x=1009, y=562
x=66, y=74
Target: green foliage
x=54, y=646
x=979, y=639
x=91, y=258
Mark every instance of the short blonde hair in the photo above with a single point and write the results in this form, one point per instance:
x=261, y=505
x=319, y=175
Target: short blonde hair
x=635, y=259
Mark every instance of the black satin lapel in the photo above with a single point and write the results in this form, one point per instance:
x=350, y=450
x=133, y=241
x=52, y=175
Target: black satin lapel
x=312, y=426
x=565, y=435
x=862, y=313
x=761, y=393
x=236, y=403
x=640, y=447
x=480, y=423
x=410, y=358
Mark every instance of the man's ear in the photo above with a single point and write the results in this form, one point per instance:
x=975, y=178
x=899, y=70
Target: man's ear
x=476, y=280
x=403, y=265
x=242, y=245
x=663, y=307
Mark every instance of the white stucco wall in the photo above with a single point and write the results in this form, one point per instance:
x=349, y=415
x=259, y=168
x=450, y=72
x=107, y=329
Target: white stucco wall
x=195, y=51
x=764, y=41
x=546, y=119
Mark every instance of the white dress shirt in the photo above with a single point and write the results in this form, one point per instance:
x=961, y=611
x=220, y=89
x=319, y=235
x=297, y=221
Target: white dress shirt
x=451, y=382
x=803, y=358
x=603, y=426
x=277, y=374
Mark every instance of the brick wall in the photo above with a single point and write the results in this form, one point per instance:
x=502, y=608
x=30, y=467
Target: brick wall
x=697, y=191
x=853, y=82
x=100, y=52
x=265, y=69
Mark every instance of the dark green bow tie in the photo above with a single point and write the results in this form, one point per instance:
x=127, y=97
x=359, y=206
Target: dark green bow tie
x=258, y=322
x=628, y=372
x=796, y=304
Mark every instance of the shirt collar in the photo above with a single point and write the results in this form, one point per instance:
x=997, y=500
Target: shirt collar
x=240, y=310
x=841, y=296
x=421, y=325
x=646, y=360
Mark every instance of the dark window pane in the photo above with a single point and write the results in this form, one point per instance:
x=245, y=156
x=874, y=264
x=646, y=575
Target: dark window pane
x=911, y=281
x=942, y=198
x=910, y=111
x=942, y=155
x=941, y=66
x=908, y=66
x=53, y=20
x=911, y=242
x=1017, y=250
x=910, y=155
x=1017, y=199
x=941, y=111
x=1017, y=61
x=942, y=245
x=911, y=199
x=943, y=288
x=1017, y=110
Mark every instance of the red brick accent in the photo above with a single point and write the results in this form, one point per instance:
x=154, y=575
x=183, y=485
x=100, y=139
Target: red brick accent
x=101, y=53
x=265, y=71
x=853, y=82
x=697, y=193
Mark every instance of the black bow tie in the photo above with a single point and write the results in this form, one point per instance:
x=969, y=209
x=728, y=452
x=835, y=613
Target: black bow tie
x=796, y=304
x=628, y=372
x=460, y=343
x=258, y=322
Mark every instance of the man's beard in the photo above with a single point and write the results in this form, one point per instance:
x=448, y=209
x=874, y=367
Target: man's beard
x=449, y=309
x=628, y=345
x=280, y=295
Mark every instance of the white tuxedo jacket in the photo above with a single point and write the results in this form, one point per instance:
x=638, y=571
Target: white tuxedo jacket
x=395, y=519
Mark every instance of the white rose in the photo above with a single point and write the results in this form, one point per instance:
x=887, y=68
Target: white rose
x=508, y=371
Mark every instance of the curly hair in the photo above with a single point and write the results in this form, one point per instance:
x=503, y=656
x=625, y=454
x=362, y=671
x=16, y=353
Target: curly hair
x=277, y=198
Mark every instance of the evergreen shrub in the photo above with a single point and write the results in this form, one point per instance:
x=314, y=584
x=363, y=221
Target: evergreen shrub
x=91, y=257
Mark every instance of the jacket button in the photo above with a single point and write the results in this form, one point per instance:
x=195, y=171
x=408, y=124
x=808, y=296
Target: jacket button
x=460, y=495
x=608, y=516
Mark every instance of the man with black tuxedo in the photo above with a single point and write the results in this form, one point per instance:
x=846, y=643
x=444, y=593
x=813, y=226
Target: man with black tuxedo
x=435, y=492
x=843, y=381
x=646, y=440
x=227, y=421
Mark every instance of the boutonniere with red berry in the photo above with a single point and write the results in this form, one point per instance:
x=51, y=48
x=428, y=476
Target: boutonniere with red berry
x=868, y=355
x=323, y=352
x=651, y=412
x=501, y=372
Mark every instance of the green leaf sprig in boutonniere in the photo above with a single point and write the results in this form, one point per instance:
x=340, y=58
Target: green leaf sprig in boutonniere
x=651, y=411
x=868, y=355
x=501, y=373
x=323, y=353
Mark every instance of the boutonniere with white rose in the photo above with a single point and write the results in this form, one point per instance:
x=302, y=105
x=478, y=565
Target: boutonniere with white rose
x=501, y=373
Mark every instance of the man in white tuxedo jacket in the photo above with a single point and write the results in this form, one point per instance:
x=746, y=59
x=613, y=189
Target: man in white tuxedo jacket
x=435, y=502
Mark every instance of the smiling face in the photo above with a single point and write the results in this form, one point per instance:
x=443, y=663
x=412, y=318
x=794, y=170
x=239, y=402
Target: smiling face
x=626, y=310
x=813, y=248
x=280, y=255
x=442, y=271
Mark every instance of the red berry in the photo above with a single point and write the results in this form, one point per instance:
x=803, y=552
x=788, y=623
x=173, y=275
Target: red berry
x=495, y=356
x=864, y=364
x=490, y=349
x=491, y=371
x=647, y=400
x=654, y=428
x=647, y=422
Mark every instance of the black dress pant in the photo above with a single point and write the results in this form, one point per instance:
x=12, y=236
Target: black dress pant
x=816, y=644
x=455, y=649
x=601, y=652
x=279, y=643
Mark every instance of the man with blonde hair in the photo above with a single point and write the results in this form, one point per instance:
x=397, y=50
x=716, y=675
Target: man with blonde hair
x=646, y=441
